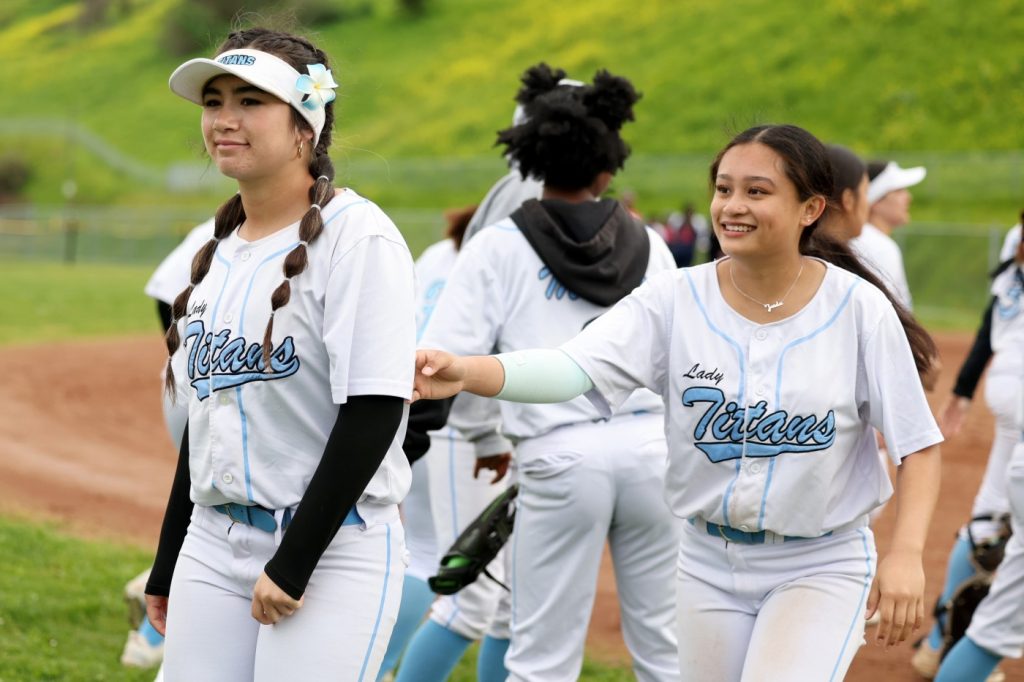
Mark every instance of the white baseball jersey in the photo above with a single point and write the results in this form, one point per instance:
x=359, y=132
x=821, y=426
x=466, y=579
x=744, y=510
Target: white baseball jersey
x=472, y=417
x=173, y=274
x=1010, y=243
x=1007, y=335
x=488, y=304
x=882, y=254
x=257, y=436
x=769, y=426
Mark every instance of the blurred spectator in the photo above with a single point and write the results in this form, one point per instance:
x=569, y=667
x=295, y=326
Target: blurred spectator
x=686, y=233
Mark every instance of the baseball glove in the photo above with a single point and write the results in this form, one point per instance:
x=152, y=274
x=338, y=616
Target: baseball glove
x=477, y=546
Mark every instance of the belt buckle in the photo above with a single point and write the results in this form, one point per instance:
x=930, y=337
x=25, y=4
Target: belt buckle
x=231, y=509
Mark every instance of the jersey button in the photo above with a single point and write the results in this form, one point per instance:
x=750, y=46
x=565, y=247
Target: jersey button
x=761, y=390
x=224, y=399
x=755, y=468
x=227, y=478
x=761, y=334
x=228, y=317
x=744, y=528
x=246, y=255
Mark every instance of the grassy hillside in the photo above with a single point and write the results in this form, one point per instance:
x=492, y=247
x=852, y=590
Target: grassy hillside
x=889, y=77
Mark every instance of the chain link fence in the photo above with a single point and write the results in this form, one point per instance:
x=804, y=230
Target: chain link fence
x=947, y=263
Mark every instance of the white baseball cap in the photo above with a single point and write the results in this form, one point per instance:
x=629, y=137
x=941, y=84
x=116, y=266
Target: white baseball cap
x=307, y=94
x=893, y=178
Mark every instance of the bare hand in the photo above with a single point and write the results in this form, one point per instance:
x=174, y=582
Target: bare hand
x=270, y=603
x=496, y=463
x=438, y=375
x=951, y=416
x=156, y=612
x=898, y=596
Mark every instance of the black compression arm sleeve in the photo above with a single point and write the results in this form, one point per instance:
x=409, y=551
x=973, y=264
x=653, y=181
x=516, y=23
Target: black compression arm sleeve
x=364, y=430
x=970, y=372
x=424, y=416
x=172, y=533
x=164, y=311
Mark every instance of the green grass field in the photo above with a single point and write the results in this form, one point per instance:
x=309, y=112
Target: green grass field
x=62, y=618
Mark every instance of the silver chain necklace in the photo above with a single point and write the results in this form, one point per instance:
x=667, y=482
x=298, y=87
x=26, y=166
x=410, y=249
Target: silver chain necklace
x=768, y=306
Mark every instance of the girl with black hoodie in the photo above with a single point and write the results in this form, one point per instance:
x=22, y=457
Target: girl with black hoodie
x=536, y=279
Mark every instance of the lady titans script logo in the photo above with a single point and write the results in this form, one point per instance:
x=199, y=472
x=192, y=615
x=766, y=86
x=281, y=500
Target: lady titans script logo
x=216, y=361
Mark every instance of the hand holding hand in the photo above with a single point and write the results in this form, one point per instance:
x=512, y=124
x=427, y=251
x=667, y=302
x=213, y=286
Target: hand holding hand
x=438, y=375
x=270, y=603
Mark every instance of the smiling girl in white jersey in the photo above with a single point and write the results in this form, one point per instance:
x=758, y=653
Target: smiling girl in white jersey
x=292, y=346
x=774, y=366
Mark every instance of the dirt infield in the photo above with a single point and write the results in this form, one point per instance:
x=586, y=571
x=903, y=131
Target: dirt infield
x=85, y=446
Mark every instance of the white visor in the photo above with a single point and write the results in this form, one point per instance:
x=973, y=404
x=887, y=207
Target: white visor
x=262, y=69
x=893, y=178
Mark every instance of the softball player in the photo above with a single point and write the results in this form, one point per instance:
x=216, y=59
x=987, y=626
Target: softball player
x=537, y=278
x=293, y=348
x=773, y=365
x=1001, y=338
x=889, y=197
x=450, y=494
x=144, y=647
x=997, y=628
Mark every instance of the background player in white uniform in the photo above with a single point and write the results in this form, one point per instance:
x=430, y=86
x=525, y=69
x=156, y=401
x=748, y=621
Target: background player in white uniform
x=1001, y=339
x=537, y=278
x=774, y=366
x=997, y=628
x=293, y=346
x=890, y=209
x=144, y=647
x=448, y=492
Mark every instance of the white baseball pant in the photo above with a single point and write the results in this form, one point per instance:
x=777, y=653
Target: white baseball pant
x=581, y=485
x=788, y=611
x=998, y=624
x=456, y=499
x=340, y=632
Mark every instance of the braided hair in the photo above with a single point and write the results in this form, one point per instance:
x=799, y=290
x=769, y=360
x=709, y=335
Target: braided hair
x=298, y=52
x=571, y=133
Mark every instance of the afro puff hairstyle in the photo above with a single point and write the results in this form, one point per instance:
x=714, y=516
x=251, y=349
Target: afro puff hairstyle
x=571, y=134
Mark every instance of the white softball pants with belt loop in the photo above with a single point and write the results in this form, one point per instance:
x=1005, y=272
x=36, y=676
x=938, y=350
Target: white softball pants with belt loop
x=787, y=611
x=581, y=485
x=340, y=632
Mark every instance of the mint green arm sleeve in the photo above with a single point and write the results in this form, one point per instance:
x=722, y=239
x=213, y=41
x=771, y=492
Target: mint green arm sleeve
x=541, y=375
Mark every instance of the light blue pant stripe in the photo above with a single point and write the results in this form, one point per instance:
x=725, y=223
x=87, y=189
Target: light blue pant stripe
x=859, y=613
x=380, y=609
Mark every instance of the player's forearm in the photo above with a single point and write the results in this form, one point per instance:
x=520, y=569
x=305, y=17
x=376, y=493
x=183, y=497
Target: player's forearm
x=917, y=491
x=541, y=375
x=484, y=375
x=175, y=525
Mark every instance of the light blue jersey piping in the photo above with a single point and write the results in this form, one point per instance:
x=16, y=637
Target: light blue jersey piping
x=741, y=397
x=778, y=388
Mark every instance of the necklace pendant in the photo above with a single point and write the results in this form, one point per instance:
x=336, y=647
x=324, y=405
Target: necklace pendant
x=772, y=306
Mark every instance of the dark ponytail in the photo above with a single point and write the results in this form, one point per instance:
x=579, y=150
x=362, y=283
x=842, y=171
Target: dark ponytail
x=808, y=167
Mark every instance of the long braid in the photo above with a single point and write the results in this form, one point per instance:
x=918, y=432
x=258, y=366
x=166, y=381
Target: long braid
x=230, y=215
x=310, y=228
x=299, y=52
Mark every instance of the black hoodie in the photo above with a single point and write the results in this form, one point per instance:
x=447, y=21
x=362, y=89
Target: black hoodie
x=595, y=248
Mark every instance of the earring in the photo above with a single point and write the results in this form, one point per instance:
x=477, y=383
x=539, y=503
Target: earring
x=299, y=155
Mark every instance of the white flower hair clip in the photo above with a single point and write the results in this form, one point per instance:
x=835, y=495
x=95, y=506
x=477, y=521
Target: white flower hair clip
x=317, y=87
